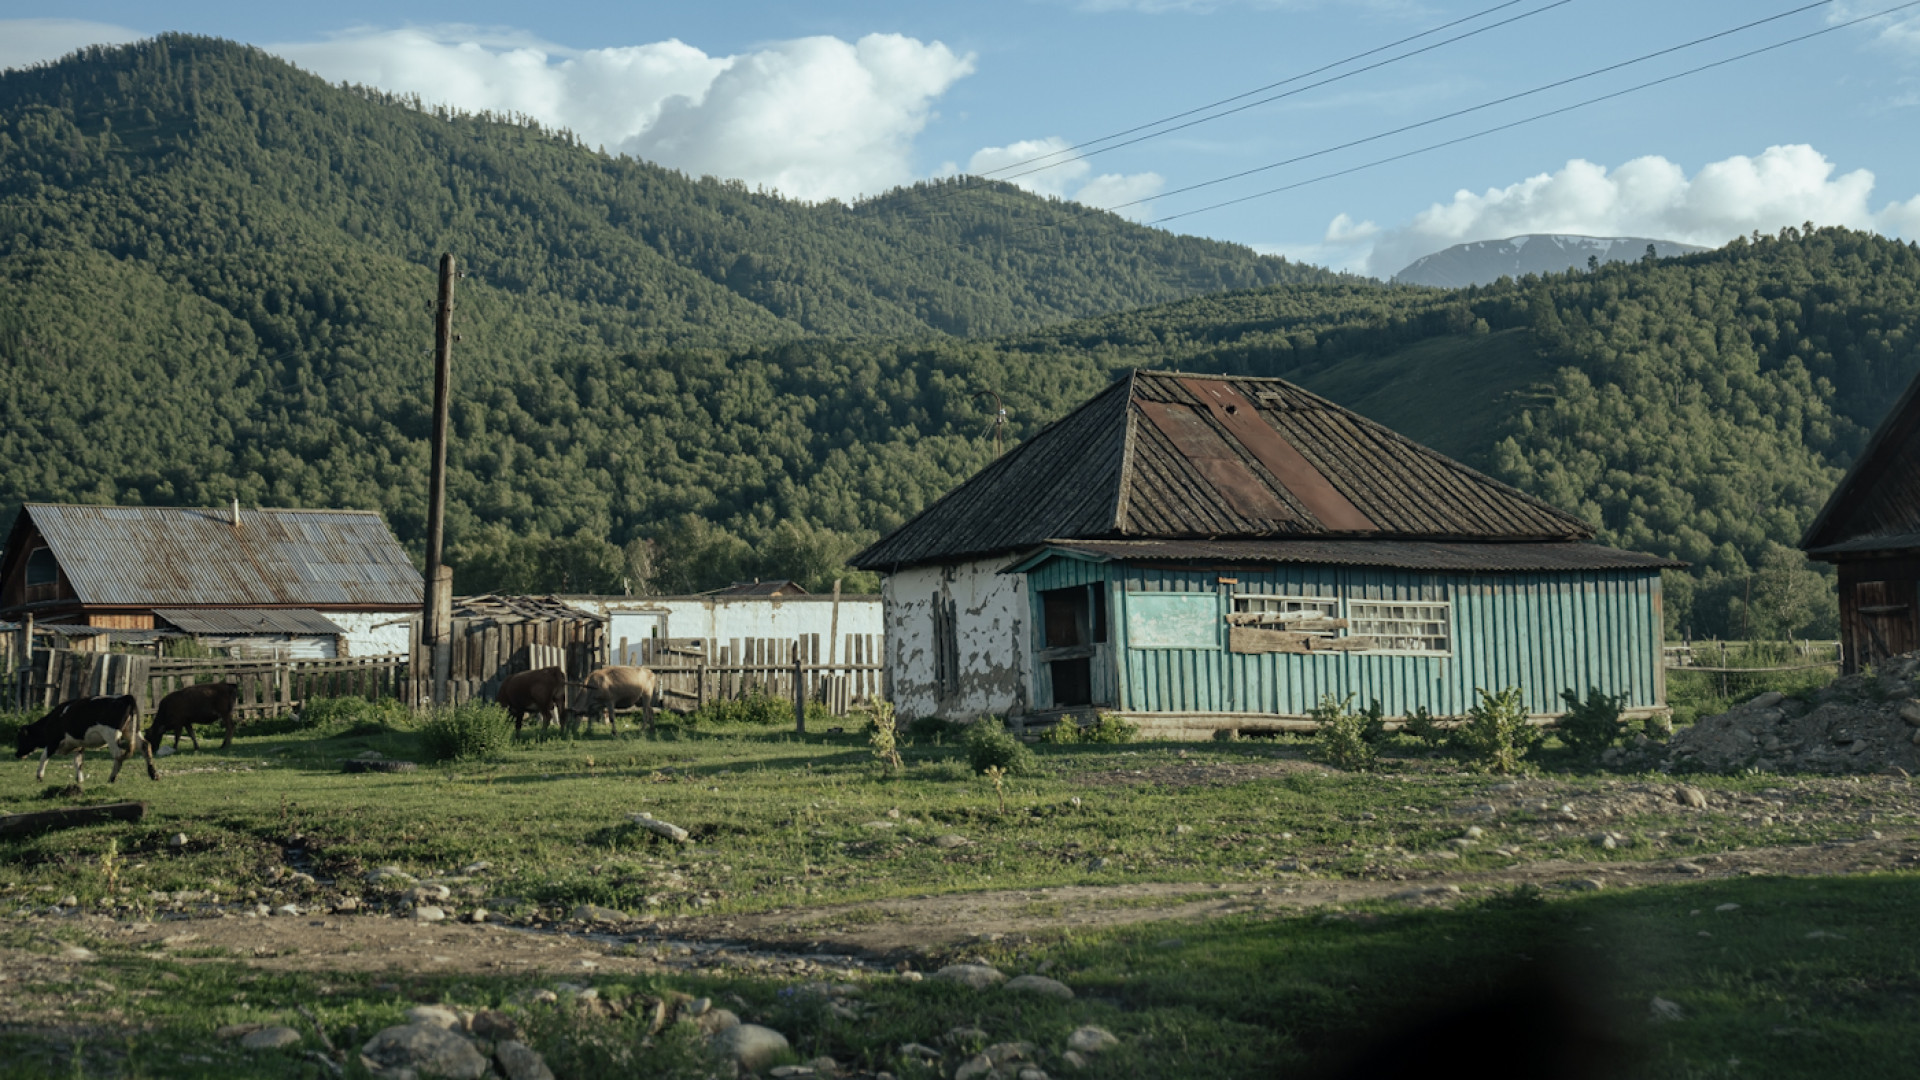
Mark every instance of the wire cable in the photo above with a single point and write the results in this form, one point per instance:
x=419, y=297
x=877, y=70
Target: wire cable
x=1531, y=119
x=1457, y=113
x=995, y=173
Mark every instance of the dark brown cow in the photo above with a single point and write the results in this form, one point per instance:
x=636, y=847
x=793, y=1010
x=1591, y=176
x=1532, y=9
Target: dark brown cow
x=83, y=724
x=204, y=704
x=543, y=691
x=617, y=686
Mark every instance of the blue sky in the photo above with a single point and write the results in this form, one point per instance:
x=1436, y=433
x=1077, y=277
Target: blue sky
x=848, y=98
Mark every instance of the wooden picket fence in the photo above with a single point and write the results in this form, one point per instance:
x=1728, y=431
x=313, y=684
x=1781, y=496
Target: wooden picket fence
x=267, y=687
x=694, y=671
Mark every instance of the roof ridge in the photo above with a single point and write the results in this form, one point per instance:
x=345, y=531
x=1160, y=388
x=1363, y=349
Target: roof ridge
x=1843, y=492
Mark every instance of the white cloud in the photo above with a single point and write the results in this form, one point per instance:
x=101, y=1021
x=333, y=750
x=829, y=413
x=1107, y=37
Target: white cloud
x=24, y=42
x=1068, y=179
x=813, y=117
x=1649, y=196
x=1900, y=30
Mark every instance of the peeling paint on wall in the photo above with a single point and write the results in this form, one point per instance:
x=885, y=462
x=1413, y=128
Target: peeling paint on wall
x=991, y=614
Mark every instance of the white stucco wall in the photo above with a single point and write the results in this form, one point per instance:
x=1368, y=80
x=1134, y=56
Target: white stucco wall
x=992, y=612
x=742, y=617
x=373, y=633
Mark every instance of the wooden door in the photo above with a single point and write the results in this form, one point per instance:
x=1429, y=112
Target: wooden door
x=1883, y=622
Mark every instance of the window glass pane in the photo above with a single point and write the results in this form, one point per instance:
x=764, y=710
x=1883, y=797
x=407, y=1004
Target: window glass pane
x=1403, y=628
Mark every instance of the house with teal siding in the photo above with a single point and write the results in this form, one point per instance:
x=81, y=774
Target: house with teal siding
x=1200, y=552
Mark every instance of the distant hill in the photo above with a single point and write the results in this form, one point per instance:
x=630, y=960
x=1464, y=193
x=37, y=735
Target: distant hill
x=1484, y=262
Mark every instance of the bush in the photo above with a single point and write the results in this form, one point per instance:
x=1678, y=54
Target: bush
x=1422, y=725
x=1109, y=729
x=1593, y=725
x=472, y=730
x=758, y=707
x=352, y=712
x=12, y=720
x=991, y=745
x=1496, y=734
x=1341, y=736
x=933, y=729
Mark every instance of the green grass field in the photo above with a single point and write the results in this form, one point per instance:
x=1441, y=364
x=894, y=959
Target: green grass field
x=783, y=822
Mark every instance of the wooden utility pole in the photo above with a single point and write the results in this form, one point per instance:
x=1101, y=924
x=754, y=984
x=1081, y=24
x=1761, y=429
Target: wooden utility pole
x=436, y=620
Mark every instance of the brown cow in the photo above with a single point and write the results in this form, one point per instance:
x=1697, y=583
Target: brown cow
x=617, y=687
x=542, y=691
x=206, y=703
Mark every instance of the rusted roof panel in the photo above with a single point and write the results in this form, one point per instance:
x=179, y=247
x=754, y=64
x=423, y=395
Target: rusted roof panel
x=1161, y=455
x=1393, y=554
x=250, y=621
x=158, y=556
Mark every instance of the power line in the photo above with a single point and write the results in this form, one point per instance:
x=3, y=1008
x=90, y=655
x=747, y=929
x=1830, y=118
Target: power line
x=1278, y=97
x=992, y=173
x=1538, y=116
x=1429, y=122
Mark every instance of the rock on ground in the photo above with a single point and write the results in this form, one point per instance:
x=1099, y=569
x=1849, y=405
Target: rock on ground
x=972, y=976
x=520, y=1062
x=271, y=1038
x=1091, y=1040
x=750, y=1045
x=1855, y=725
x=1040, y=984
x=429, y=1050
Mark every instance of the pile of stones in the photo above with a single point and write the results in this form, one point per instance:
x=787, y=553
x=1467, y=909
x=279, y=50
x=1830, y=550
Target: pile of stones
x=1866, y=723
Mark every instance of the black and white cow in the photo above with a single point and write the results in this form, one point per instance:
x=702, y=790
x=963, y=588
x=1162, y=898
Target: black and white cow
x=83, y=724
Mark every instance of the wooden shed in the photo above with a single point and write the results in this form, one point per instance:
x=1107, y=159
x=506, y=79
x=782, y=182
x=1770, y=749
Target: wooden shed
x=496, y=636
x=1200, y=552
x=1870, y=531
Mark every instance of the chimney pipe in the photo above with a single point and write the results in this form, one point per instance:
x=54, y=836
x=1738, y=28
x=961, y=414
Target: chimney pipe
x=236, y=511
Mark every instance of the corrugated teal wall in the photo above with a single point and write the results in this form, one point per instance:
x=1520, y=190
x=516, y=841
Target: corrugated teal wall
x=1541, y=632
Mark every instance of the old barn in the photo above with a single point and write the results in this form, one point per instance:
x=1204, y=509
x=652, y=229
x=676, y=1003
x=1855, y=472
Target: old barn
x=302, y=583
x=1870, y=531
x=1201, y=552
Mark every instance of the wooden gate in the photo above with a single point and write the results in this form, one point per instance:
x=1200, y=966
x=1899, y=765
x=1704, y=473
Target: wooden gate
x=1880, y=616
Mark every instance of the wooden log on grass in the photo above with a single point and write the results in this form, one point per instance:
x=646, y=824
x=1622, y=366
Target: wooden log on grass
x=48, y=820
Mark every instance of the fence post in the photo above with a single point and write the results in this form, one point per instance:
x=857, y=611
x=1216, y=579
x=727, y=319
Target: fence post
x=799, y=689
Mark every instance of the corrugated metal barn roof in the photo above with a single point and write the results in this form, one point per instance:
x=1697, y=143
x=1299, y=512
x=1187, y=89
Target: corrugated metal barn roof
x=1396, y=554
x=250, y=621
x=1165, y=455
x=155, y=556
x=1877, y=505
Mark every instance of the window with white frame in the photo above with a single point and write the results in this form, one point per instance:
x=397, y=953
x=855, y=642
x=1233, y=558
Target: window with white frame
x=1402, y=627
x=1288, y=612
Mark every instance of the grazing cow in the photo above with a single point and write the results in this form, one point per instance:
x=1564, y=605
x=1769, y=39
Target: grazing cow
x=83, y=724
x=542, y=691
x=204, y=704
x=617, y=687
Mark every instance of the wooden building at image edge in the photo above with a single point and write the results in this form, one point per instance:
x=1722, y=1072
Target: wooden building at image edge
x=1870, y=531
x=1199, y=553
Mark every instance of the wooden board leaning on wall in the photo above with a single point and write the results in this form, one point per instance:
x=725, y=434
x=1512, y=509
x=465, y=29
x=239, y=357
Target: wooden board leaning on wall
x=1252, y=639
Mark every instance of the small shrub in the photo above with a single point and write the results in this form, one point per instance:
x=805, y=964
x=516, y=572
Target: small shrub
x=1341, y=736
x=991, y=746
x=757, y=707
x=1593, y=725
x=1111, y=729
x=932, y=729
x=353, y=713
x=1496, y=734
x=883, y=734
x=1423, y=725
x=1064, y=733
x=472, y=730
x=1373, y=723
x=12, y=720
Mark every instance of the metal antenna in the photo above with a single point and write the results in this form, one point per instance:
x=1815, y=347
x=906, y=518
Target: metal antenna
x=999, y=422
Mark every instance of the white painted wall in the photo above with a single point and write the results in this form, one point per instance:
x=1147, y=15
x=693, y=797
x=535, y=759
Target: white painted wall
x=734, y=617
x=995, y=677
x=373, y=633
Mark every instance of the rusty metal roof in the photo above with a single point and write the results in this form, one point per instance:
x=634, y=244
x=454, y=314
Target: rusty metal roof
x=164, y=556
x=304, y=621
x=1393, y=554
x=1164, y=455
x=1877, y=505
